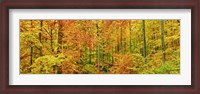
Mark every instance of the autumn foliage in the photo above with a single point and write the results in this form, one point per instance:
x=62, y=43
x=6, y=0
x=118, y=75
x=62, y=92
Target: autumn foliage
x=99, y=46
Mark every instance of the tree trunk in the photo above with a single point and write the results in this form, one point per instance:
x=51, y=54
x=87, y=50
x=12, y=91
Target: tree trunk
x=31, y=54
x=163, y=42
x=103, y=51
x=90, y=56
x=40, y=38
x=144, y=41
x=118, y=44
x=51, y=36
x=130, y=37
x=124, y=47
x=98, y=55
x=60, y=35
x=112, y=56
x=31, y=61
x=121, y=40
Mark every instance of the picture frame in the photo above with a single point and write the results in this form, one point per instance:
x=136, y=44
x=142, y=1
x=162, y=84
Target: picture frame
x=103, y=4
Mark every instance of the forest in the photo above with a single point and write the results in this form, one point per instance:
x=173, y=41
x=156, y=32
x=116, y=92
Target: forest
x=99, y=46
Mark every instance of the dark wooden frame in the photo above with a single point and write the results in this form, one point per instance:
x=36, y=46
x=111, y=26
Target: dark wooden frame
x=5, y=88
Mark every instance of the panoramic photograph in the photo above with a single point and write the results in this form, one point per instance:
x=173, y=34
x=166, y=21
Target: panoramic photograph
x=99, y=46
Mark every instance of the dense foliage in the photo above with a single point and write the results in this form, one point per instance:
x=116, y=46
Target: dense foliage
x=100, y=46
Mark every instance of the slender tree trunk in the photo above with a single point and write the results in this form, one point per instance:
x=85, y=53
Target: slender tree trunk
x=51, y=36
x=51, y=33
x=118, y=44
x=121, y=40
x=31, y=54
x=60, y=47
x=130, y=37
x=108, y=57
x=124, y=47
x=112, y=56
x=90, y=52
x=60, y=35
x=98, y=55
x=31, y=61
x=40, y=38
x=163, y=42
x=144, y=41
x=51, y=41
x=103, y=51
x=90, y=56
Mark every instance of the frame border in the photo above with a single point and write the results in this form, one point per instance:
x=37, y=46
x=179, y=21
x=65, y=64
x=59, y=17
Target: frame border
x=103, y=4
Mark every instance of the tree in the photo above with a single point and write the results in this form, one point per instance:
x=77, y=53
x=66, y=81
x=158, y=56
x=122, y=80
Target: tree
x=144, y=41
x=163, y=43
x=130, y=28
